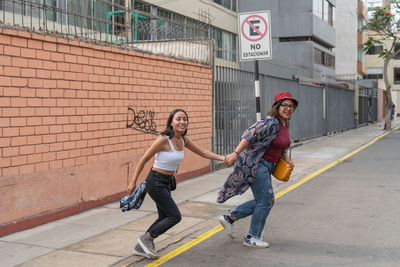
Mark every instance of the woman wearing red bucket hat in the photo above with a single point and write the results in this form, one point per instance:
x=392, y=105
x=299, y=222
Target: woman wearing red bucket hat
x=260, y=148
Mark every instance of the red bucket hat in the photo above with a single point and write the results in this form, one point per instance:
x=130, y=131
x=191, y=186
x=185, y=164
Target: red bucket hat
x=285, y=95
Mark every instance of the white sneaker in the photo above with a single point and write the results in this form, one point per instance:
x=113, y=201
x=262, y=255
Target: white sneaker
x=228, y=227
x=255, y=243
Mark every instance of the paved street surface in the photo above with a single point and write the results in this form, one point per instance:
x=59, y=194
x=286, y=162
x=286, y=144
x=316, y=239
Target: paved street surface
x=346, y=215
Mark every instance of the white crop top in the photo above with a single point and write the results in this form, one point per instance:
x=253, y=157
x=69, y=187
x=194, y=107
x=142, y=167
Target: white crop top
x=169, y=160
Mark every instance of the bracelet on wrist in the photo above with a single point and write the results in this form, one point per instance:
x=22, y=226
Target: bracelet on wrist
x=236, y=152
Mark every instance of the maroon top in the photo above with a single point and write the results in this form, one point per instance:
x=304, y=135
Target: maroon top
x=281, y=141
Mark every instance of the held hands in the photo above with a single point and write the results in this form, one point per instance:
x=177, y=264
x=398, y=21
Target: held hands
x=230, y=159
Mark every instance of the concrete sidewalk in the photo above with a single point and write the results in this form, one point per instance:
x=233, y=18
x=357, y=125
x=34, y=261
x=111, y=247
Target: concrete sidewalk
x=105, y=236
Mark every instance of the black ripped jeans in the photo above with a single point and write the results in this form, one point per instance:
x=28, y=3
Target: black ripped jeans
x=158, y=188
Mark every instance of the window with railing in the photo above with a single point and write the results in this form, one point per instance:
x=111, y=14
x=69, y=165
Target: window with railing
x=374, y=73
x=323, y=58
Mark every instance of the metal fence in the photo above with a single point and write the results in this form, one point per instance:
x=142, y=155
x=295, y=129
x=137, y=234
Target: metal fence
x=323, y=109
x=112, y=22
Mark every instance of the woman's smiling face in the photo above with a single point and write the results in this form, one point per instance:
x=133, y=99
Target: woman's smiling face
x=286, y=109
x=179, y=122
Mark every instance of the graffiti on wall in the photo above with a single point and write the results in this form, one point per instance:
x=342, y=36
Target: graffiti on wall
x=141, y=120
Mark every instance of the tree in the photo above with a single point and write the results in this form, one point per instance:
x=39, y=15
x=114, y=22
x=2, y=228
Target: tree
x=385, y=27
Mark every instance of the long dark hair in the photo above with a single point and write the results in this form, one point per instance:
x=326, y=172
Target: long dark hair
x=169, y=131
x=274, y=111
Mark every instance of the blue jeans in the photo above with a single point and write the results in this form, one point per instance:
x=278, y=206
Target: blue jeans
x=262, y=203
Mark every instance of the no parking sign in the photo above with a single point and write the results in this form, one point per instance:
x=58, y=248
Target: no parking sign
x=254, y=35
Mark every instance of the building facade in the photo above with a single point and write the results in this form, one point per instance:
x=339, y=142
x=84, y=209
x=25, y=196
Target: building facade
x=350, y=57
x=303, y=38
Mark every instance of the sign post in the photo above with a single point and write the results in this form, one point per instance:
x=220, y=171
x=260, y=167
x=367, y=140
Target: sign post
x=255, y=44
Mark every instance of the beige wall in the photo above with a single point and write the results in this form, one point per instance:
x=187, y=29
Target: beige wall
x=221, y=17
x=64, y=144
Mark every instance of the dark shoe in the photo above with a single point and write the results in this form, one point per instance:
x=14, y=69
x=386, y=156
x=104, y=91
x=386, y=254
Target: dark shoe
x=147, y=244
x=140, y=252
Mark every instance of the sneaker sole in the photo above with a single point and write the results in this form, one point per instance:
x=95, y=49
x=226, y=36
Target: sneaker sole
x=146, y=250
x=138, y=253
x=222, y=222
x=254, y=246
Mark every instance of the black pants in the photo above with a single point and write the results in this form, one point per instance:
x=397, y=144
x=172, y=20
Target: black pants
x=169, y=215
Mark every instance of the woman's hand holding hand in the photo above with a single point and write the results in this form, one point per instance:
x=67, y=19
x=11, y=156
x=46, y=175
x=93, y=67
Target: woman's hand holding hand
x=230, y=159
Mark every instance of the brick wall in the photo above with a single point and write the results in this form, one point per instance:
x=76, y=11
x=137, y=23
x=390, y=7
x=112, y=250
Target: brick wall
x=64, y=144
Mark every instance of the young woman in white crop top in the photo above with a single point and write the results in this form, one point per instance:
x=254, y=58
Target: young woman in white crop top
x=169, y=151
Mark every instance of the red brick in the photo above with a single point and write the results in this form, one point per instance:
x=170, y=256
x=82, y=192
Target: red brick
x=59, y=75
x=64, y=48
x=35, y=63
x=10, y=151
x=5, y=81
x=34, y=158
x=48, y=120
x=43, y=55
x=76, y=50
x=41, y=129
x=24, y=169
x=28, y=73
x=28, y=53
x=49, y=138
x=5, y=162
x=5, y=40
x=69, y=145
x=21, y=82
x=34, y=140
x=56, y=164
x=42, y=92
x=16, y=122
x=43, y=166
x=68, y=163
x=35, y=83
x=23, y=131
x=81, y=161
x=12, y=51
x=49, y=65
x=34, y=102
x=45, y=74
x=12, y=71
x=70, y=58
x=20, y=160
x=35, y=44
x=42, y=148
x=62, y=155
x=18, y=141
x=49, y=156
x=27, y=112
x=49, y=102
x=5, y=141
x=18, y=102
x=19, y=62
x=57, y=57
x=26, y=150
x=49, y=46
x=11, y=91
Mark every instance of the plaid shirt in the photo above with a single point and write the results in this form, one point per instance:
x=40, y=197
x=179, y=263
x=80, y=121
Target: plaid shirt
x=259, y=135
x=134, y=200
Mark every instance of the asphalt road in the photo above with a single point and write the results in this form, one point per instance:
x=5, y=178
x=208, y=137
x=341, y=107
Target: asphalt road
x=346, y=216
